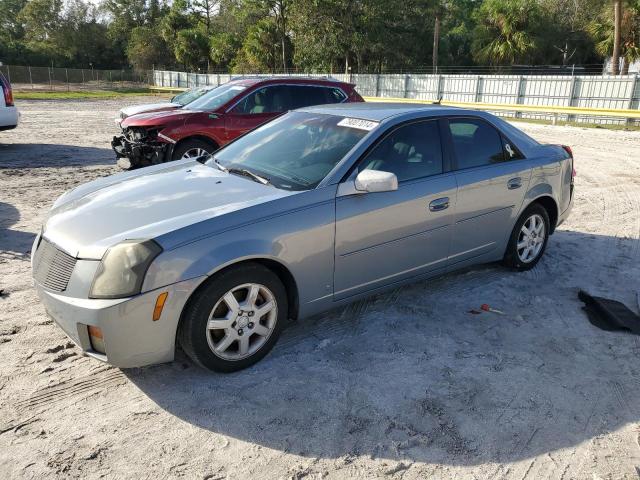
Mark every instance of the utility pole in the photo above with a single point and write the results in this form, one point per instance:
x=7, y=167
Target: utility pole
x=436, y=40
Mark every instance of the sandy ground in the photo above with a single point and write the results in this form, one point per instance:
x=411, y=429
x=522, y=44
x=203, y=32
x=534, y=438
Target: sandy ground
x=404, y=385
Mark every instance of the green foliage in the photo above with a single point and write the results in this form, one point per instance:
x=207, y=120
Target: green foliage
x=311, y=35
x=191, y=48
x=146, y=48
x=601, y=29
x=507, y=31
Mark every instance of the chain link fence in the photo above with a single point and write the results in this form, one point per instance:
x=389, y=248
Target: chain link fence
x=73, y=79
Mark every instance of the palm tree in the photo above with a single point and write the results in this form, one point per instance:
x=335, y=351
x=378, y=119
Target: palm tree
x=604, y=32
x=503, y=32
x=617, y=24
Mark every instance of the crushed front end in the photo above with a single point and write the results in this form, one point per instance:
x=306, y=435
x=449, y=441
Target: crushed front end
x=142, y=146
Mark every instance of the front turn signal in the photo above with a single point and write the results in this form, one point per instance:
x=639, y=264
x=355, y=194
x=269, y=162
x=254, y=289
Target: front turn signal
x=160, y=301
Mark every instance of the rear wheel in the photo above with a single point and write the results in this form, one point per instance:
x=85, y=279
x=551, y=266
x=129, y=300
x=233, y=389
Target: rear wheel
x=235, y=319
x=528, y=239
x=192, y=149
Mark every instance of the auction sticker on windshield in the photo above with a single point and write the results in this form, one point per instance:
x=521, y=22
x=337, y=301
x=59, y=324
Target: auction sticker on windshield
x=357, y=123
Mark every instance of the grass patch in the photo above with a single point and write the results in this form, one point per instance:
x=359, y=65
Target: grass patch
x=80, y=94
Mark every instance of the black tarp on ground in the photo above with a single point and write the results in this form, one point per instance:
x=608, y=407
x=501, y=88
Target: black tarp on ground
x=609, y=314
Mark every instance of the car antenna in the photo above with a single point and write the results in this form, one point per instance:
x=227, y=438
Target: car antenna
x=439, y=101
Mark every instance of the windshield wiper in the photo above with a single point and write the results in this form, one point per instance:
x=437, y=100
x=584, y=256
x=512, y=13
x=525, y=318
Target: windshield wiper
x=219, y=165
x=248, y=173
x=241, y=171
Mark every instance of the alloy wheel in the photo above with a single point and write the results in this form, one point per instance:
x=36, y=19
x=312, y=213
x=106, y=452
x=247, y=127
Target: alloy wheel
x=241, y=321
x=531, y=238
x=194, y=153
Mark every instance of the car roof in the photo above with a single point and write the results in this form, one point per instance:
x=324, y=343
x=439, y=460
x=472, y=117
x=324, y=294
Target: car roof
x=399, y=112
x=379, y=111
x=250, y=81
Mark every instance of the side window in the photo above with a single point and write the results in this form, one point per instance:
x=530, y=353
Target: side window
x=411, y=151
x=305, y=96
x=334, y=95
x=272, y=99
x=510, y=151
x=475, y=142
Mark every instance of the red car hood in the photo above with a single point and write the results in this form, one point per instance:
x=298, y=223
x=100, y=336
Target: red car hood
x=162, y=118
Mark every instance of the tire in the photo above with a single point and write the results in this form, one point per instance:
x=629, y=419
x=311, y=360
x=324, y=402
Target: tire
x=518, y=258
x=190, y=149
x=238, y=339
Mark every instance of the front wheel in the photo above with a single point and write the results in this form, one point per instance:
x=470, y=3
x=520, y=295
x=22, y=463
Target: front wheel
x=235, y=319
x=192, y=149
x=528, y=239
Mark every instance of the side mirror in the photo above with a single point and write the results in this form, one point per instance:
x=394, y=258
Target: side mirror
x=376, y=181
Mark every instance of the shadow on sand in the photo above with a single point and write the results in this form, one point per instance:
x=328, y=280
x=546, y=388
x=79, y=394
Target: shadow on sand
x=411, y=374
x=39, y=155
x=14, y=243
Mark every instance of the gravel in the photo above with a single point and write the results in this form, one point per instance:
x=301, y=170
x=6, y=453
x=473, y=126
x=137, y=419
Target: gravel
x=407, y=384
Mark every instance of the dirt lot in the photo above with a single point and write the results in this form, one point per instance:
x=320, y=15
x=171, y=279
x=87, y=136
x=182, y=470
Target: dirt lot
x=404, y=385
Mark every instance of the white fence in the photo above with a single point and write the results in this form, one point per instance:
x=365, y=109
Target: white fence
x=621, y=92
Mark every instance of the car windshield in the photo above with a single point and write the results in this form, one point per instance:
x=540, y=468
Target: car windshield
x=189, y=96
x=214, y=99
x=295, y=151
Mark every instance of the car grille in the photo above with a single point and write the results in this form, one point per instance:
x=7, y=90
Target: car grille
x=52, y=267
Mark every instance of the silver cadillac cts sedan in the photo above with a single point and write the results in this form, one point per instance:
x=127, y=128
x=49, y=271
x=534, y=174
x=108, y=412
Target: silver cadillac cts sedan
x=315, y=209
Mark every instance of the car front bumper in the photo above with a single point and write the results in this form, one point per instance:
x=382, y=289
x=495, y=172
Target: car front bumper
x=140, y=154
x=131, y=337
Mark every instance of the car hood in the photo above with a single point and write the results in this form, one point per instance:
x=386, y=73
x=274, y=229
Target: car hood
x=150, y=107
x=151, y=119
x=88, y=220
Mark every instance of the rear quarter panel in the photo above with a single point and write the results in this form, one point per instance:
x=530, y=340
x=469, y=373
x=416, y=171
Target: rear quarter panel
x=550, y=176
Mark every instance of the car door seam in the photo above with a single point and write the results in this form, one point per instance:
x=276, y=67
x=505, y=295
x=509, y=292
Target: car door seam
x=486, y=213
x=395, y=240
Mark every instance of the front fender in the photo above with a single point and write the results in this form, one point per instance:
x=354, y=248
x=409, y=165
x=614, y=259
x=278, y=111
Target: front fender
x=301, y=240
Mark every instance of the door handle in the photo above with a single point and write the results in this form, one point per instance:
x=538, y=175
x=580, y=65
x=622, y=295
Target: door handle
x=514, y=183
x=439, y=204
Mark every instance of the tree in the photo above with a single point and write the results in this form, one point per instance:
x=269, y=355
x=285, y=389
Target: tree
x=191, y=48
x=506, y=31
x=11, y=30
x=279, y=11
x=206, y=10
x=603, y=31
x=146, y=48
x=617, y=26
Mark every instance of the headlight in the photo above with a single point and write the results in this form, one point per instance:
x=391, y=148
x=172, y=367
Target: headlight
x=122, y=269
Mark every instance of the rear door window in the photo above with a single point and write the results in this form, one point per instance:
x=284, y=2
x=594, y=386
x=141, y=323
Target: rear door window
x=475, y=142
x=270, y=99
x=307, y=95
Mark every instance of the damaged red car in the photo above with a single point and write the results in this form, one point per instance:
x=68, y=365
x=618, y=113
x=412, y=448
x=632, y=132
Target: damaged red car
x=221, y=115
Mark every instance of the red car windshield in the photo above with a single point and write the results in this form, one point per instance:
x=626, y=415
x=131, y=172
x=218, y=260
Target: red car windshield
x=215, y=98
x=189, y=96
x=295, y=151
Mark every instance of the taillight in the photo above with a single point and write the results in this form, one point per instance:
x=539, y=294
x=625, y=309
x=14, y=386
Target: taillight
x=8, y=94
x=567, y=149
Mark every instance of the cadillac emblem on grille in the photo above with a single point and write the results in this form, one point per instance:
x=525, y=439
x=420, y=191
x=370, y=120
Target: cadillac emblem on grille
x=52, y=267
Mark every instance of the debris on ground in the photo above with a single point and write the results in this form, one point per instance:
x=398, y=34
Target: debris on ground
x=487, y=308
x=608, y=314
